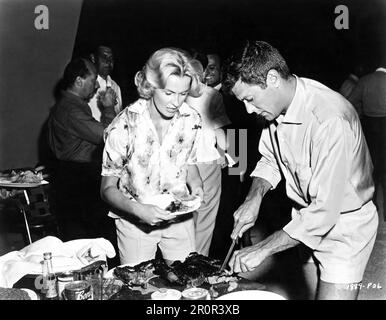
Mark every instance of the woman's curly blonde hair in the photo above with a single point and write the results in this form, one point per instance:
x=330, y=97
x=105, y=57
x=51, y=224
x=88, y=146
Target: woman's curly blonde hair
x=164, y=63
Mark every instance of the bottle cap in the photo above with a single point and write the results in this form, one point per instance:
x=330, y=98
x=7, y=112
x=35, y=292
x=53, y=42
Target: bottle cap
x=47, y=255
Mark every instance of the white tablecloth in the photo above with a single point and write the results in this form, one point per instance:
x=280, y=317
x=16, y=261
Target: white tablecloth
x=66, y=256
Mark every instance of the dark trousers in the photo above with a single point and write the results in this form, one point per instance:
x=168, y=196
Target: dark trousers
x=230, y=200
x=374, y=129
x=78, y=206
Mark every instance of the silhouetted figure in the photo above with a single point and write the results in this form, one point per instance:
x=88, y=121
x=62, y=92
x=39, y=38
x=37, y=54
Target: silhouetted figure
x=369, y=99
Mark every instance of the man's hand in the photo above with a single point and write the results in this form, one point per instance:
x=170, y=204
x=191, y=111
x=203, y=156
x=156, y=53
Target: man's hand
x=245, y=216
x=248, y=258
x=108, y=98
x=251, y=257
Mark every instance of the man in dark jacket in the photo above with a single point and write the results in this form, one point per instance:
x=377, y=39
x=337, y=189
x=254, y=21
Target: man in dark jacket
x=76, y=140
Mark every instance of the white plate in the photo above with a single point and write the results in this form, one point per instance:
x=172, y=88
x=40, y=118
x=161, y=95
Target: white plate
x=251, y=295
x=22, y=185
x=193, y=206
x=33, y=295
x=166, y=294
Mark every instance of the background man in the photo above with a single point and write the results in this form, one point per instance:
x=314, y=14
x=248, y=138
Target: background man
x=76, y=140
x=103, y=60
x=210, y=154
x=233, y=187
x=315, y=141
x=213, y=74
x=369, y=99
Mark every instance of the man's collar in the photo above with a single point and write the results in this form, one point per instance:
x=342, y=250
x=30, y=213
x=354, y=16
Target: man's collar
x=294, y=114
x=354, y=77
x=101, y=80
x=381, y=69
x=218, y=87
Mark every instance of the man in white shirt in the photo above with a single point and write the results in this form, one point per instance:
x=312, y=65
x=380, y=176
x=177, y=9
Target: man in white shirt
x=104, y=62
x=209, y=105
x=315, y=141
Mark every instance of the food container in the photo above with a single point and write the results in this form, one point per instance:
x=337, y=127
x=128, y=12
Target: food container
x=196, y=294
x=78, y=290
x=166, y=294
x=63, y=279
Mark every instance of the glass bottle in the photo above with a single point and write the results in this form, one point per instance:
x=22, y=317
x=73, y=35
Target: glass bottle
x=50, y=290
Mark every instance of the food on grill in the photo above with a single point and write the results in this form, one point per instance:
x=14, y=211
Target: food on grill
x=13, y=294
x=96, y=267
x=232, y=286
x=126, y=293
x=194, y=271
x=138, y=275
x=221, y=278
x=213, y=292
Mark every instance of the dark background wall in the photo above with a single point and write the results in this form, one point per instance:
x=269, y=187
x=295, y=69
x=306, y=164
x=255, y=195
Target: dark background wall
x=303, y=30
x=31, y=62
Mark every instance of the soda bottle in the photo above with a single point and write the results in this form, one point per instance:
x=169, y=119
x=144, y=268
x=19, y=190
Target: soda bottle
x=50, y=289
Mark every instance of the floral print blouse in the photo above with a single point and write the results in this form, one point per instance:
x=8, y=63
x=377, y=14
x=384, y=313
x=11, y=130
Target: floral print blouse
x=144, y=166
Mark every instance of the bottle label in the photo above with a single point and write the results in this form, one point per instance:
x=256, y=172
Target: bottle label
x=52, y=291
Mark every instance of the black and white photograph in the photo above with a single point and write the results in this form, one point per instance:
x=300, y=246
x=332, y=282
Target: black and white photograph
x=225, y=150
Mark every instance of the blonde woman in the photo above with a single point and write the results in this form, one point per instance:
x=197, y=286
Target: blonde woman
x=150, y=150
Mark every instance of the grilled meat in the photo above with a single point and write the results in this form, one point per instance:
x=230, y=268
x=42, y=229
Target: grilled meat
x=195, y=270
x=137, y=275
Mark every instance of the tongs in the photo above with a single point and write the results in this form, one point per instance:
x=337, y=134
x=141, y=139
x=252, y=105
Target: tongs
x=228, y=256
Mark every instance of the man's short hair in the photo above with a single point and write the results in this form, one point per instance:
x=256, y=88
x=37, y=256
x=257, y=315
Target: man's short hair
x=251, y=64
x=98, y=49
x=75, y=68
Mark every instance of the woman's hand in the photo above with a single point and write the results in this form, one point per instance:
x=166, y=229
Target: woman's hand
x=152, y=214
x=198, y=192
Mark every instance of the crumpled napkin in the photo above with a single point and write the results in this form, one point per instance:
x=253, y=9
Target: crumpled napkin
x=66, y=256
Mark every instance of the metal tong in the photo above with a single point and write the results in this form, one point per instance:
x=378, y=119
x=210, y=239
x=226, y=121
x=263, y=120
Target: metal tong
x=228, y=256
